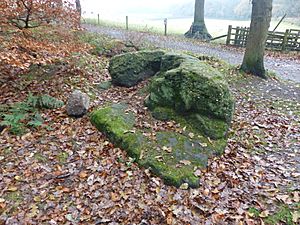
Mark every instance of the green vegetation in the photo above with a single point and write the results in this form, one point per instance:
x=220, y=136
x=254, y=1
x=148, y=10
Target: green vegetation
x=22, y=115
x=195, y=91
x=62, y=157
x=253, y=212
x=283, y=215
x=103, y=45
x=178, y=26
x=131, y=68
x=172, y=156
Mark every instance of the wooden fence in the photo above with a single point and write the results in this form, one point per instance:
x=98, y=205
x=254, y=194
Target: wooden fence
x=283, y=41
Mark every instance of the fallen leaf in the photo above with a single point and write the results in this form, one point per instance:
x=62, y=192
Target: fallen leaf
x=264, y=214
x=167, y=149
x=83, y=174
x=159, y=158
x=185, y=162
x=283, y=198
x=90, y=180
x=184, y=186
x=12, y=188
x=197, y=173
x=296, y=216
x=191, y=135
x=296, y=197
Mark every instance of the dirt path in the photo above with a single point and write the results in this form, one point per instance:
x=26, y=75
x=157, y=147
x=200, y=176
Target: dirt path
x=287, y=69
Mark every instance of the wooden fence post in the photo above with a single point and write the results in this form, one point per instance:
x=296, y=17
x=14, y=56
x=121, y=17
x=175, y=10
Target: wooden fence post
x=166, y=25
x=127, y=27
x=229, y=35
x=236, y=36
x=244, y=36
x=285, y=40
x=98, y=19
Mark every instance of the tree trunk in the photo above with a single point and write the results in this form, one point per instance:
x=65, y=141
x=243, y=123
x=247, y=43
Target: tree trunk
x=253, y=61
x=78, y=9
x=198, y=29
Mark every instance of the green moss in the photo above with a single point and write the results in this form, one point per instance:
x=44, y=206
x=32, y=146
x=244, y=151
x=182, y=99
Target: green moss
x=131, y=68
x=113, y=121
x=134, y=144
x=119, y=128
x=104, y=85
x=195, y=91
x=214, y=128
x=283, y=215
x=197, y=124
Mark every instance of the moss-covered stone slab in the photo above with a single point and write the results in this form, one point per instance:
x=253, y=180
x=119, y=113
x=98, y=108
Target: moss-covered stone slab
x=190, y=90
x=172, y=156
x=131, y=68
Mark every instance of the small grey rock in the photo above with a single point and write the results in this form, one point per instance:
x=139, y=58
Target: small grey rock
x=78, y=104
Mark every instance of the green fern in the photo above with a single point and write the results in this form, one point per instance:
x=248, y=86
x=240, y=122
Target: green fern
x=25, y=114
x=32, y=100
x=48, y=102
x=14, y=122
x=36, y=121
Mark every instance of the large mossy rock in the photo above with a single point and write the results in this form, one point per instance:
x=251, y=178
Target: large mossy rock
x=130, y=68
x=192, y=91
x=184, y=89
x=172, y=156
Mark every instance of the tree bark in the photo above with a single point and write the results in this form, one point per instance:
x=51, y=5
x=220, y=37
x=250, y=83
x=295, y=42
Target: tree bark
x=78, y=9
x=253, y=61
x=198, y=29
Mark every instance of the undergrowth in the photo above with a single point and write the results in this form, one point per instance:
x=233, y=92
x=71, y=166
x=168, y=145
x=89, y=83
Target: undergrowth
x=26, y=114
x=286, y=214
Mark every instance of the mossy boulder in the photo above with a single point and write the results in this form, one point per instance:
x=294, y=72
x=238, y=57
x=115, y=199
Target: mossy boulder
x=172, y=156
x=193, y=90
x=131, y=68
x=183, y=89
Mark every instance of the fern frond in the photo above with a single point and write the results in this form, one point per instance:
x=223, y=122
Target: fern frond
x=49, y=102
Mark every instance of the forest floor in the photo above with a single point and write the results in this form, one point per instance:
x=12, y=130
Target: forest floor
x=66, y=172
x=286, y=66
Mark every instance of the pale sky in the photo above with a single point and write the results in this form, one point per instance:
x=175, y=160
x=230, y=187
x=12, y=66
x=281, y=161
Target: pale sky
x=123, y=6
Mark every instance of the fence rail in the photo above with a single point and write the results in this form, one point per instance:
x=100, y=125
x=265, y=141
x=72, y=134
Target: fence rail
x=283, y=41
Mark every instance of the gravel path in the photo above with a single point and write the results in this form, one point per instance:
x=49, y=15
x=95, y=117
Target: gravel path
x=287, y=69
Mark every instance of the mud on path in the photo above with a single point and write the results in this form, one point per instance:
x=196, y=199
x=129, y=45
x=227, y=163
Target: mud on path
x=287, y=69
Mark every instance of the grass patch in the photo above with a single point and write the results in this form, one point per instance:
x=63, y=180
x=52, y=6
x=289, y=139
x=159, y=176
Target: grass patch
x=62, y=157
x=284, y=215
x=253, y=212
x=132, y=26
x=40, y=157
x=178, y=26
x=14, y=196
